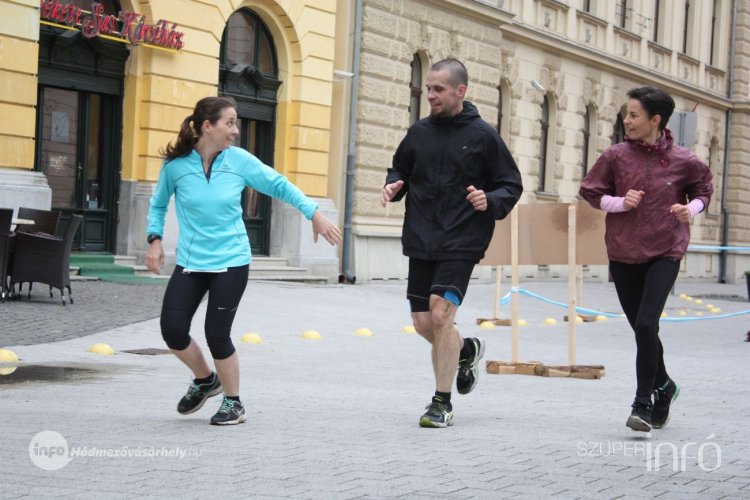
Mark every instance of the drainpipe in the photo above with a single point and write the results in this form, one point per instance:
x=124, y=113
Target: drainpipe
x=727, y=141
x=346, y=274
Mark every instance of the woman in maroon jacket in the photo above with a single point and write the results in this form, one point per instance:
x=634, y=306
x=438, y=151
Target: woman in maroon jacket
x=651, y=190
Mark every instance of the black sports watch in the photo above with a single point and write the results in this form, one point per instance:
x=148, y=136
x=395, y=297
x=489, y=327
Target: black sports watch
x=153, y=237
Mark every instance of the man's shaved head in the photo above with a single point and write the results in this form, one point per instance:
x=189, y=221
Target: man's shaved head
x=459, y=75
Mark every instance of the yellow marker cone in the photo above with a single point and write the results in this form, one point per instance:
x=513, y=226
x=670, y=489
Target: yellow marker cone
x=601, y=317
x=699, y=301
x=8, y=370
x=101, y=349
x=664, y=315
x=487, y=324
x=682, y=296
x=251, y=338
x=8, y=356
x=681, y=313
x=579, y=319
x=363, y=332
x=689, y=299
x=709, y=306
x=699, y=313
x=522, y=322
x=715, y=310
x=409, y=329
x=550, y=321
x=311, y=334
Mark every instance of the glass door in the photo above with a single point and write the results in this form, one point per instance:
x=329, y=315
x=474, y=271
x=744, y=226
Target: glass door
x=255, y=137
x=77, y=141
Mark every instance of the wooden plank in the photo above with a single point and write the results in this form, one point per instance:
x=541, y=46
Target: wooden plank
x=501, y=367
x=572, y=283
x=498, y=276
x=527, y=368
x=559, y=371
x=514, y=281
x=587, y=372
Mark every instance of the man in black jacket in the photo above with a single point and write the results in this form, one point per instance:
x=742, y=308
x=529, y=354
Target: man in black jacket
x=460, y=178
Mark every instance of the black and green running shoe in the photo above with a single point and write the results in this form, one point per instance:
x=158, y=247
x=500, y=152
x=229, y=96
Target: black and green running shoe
x=197, y=395
x=438, y=414
x=468, y=372
x=640, y=417
x=663, y=399
x=230, y=413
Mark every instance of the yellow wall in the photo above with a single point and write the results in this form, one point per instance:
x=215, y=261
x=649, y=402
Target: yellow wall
x=163, y=87
x=19, y=54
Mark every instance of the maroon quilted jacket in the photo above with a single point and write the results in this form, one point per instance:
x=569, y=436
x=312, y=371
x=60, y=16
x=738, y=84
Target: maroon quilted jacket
x=668, y=174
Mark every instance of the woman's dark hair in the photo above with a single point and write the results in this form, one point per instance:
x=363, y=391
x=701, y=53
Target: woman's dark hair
x=656, y=102
x=208, y=108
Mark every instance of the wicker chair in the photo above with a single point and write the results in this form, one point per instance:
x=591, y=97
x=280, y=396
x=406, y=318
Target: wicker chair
x=41, y=258
x=6, y=241
x=45, y=221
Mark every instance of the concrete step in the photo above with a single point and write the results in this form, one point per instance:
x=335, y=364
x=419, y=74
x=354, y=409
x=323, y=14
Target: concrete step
x=268, y=262
x=308, y=279
x=125, y=260
x=278, y=271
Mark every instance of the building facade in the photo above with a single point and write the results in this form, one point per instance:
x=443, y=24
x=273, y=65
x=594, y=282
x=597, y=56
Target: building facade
x=94, y=90
x=552, y=76
x=92, y=107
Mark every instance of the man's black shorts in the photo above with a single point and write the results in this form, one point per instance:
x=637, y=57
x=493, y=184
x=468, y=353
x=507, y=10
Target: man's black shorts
x=446, y=278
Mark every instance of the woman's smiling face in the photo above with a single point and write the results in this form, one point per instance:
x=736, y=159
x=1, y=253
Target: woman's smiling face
x=638, y=125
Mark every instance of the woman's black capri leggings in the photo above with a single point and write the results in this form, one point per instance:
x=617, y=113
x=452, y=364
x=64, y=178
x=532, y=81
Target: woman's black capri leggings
x=182, y=298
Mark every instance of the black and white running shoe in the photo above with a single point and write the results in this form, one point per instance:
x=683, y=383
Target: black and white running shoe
x=468, y=372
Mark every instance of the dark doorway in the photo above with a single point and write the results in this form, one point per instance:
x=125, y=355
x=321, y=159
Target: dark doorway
x=77, y=154
x=248, y=72
x=79, y=129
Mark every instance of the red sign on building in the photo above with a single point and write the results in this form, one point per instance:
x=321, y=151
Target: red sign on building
x=128, y=26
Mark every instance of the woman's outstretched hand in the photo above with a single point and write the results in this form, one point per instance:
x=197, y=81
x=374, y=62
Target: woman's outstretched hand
x=327, y=229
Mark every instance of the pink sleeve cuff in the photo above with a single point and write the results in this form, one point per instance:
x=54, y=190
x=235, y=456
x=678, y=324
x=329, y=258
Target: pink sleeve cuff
x=695, y=207
x=614, y=203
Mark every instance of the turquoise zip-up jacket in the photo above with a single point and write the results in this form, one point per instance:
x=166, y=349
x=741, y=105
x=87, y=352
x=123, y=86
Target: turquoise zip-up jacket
x=209, y=211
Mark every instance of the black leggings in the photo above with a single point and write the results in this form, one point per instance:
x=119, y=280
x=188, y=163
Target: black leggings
x=643, y=290
x=182, y=298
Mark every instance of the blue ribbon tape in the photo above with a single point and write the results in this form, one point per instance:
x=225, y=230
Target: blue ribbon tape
x=505, y=300
x=710, y=247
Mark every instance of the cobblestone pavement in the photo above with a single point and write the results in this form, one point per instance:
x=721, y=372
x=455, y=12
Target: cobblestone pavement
x=337, y=417
x=99, y=306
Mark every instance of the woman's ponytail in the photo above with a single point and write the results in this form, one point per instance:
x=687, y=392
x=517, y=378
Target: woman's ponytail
x=208, y=108
x=186, y=139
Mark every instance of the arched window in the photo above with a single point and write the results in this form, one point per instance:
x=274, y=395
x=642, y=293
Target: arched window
x=500, y=111
x=687, y=29
x=503, y=110
x=586, y=133
x=714, y=165
x=618, y=135
x=543, y=145
x=247, y=41
x=590, y=126
x=416, y=89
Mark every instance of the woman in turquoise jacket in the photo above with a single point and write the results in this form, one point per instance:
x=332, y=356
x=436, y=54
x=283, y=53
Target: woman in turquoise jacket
x=207, y=176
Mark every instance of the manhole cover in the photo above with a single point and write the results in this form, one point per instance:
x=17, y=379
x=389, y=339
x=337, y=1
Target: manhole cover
x=148, y=352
